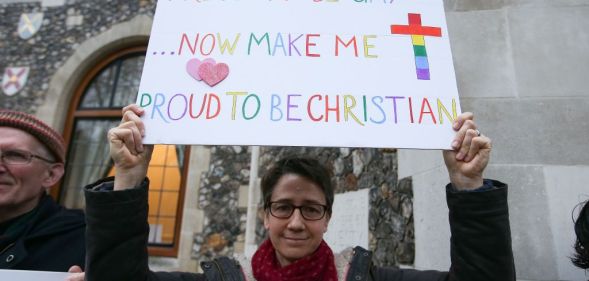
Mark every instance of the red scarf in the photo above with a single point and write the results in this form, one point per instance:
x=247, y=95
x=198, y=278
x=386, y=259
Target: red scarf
x=320, y=266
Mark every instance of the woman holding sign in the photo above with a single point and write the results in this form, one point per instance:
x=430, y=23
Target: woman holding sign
x=298, y=197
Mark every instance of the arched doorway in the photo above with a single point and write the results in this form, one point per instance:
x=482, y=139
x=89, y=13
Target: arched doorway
x=95, y=108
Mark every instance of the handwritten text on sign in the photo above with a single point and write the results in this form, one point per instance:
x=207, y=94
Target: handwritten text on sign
x=312, y=73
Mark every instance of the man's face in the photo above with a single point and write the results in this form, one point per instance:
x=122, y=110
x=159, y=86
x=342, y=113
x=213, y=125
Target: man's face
x=21, y=186
x=295, y=237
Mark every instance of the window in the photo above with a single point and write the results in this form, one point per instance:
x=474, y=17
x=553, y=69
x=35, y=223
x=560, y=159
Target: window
x=96, y=107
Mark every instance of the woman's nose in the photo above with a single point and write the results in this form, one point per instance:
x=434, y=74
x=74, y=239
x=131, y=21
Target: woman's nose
x=296, y=221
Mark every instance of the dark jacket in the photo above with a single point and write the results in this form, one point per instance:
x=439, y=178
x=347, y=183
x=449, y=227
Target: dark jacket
x=51, y=239
x=117, y=233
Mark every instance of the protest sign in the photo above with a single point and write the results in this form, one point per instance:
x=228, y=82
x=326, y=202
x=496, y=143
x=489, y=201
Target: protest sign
x=32, y=275
x=348, y=73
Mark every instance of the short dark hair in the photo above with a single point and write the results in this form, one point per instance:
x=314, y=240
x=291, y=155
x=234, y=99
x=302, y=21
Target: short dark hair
x=309, y=168
x=581, y=256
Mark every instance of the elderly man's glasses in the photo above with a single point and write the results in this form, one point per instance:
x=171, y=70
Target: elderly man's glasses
x=20, y=157
x=283, y=210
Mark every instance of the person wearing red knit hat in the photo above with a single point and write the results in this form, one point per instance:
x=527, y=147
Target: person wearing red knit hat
x=35, y=232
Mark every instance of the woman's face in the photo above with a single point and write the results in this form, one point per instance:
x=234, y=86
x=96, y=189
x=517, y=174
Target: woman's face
x=295, y=237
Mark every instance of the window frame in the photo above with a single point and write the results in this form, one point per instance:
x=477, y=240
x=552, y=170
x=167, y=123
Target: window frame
x=74, y=112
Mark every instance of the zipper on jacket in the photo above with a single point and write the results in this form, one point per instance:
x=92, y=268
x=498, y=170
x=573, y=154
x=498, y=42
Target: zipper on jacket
x=7, y=247
x=220, y=270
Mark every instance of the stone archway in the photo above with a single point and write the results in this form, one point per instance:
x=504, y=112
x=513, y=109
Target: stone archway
x=88, y=53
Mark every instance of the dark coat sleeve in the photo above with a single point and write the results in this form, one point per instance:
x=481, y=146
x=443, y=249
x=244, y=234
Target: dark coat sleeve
x=361, y=266
x=392, y=274
x=480, y=246
x=116, y=235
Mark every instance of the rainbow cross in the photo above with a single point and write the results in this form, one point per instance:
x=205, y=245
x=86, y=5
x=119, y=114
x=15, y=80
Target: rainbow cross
x=418, y=32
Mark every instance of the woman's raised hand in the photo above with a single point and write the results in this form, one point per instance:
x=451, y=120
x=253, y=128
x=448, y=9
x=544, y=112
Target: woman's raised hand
x=130, y=156
x=470, y=154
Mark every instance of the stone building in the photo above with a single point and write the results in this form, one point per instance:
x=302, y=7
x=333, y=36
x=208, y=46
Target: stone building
x=521, y=67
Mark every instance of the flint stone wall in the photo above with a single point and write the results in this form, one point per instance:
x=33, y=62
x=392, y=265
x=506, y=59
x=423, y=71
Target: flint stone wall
x=391, y=229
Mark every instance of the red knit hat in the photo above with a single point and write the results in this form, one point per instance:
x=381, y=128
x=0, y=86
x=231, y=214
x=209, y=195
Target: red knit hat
x=30, y=124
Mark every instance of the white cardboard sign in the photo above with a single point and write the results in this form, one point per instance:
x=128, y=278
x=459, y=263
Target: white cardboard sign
x=348, y=73
x=348, y=226
x=23, y=275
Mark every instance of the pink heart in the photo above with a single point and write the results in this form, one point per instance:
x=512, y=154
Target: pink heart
x=212, y=73
x=193, y=65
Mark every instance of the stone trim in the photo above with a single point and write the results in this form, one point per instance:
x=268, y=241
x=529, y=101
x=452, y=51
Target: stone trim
x=65, y=80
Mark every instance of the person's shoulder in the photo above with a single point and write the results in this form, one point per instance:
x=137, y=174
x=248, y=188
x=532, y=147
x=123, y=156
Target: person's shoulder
x=227, y=268
x=75, y=215
x=246, y=265
x=56, y=218
x=65, y=214
x=355, y=261
x=345, y=256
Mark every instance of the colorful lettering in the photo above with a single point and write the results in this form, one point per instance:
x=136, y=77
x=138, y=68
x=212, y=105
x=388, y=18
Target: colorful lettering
x=348, y=109
x=367, y=47
x=225, y=44
x=258, y=103
x=291, y=45
x=384, y=116
x=309, y=108
x=234, y=104
x=210, y=102
x=338, y=40
x=185, y=39
x=202, y=106
x=289, y=105
x=279, y=43
x=156, y=106
x=311, y=44
x=425, y=103
x=334, y=109
x=170, y=104
x=394, y=98
x=441, y=108
x=275, y=102
x=258, y=42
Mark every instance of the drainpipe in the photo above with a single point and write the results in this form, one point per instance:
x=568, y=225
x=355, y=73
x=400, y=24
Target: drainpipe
x=252, y=205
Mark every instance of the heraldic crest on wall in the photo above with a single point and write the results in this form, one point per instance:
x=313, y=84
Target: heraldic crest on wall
x=29, y=24
x=14, y=79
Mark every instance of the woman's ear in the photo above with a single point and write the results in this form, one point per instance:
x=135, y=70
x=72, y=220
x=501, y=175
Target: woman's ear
x=327, y=218
x=266, y=220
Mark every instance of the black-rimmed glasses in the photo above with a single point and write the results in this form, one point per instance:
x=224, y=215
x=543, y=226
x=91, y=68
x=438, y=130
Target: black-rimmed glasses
x=20, y=157
x=284, y=210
